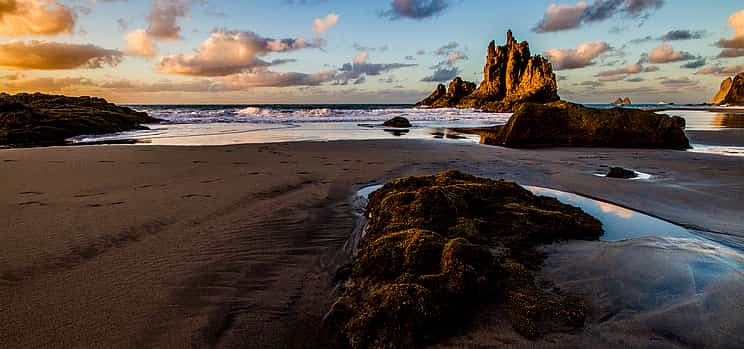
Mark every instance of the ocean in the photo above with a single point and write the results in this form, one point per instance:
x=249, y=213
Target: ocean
x=237, y=124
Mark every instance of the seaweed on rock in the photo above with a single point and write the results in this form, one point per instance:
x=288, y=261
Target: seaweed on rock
x=437, y=247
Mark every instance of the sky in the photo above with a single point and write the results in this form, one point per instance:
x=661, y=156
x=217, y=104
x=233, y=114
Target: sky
x=339, y=51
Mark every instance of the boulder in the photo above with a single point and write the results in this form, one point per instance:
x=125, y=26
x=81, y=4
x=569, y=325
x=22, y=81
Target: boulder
x=619, y=172
x=438, y=247
x=511, y=76
x=573, y=125
x=731, y=91
x=39, y=119
x=398, y=121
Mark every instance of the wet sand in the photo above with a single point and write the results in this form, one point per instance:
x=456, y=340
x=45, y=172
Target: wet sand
x=234, y=246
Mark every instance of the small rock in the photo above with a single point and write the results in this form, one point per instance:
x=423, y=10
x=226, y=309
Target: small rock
x=397, y=121
x=619, y=172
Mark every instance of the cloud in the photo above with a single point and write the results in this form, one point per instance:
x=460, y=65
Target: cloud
x=665, y=53
x=321, y=25
x=230, y=52
x=415, y=9
x=726, y=71
x=561, y=17
x=139, y=43
x=623, y=72
x=676, y=35
x=52, y=55
x=35, y=17
x=680, y=81
x=697, y=63
x=565, y=17
x=261, y=77
x=162, y=20
x=456, y=56
x=580, y=57
x=446, y=49
x=442, y=74
x=361, y=57
x=731, y=53
x=735, y=21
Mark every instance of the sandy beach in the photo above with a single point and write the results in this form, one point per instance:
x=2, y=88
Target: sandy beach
x=227, y=246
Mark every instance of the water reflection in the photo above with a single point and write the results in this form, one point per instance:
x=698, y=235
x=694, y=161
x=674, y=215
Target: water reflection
x=619, y=223
x=710, y=120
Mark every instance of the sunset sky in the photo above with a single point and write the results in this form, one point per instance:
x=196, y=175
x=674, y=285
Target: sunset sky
x=334, y=51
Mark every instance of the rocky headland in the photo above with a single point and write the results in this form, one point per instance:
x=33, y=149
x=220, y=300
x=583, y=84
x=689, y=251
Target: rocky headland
x=40, y=119
x=438, y=247
x=511, y=76
x=573, y=125
x=731, y=91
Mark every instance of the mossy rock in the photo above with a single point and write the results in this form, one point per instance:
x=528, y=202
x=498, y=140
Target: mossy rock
x=426, y=260
x=394, y=316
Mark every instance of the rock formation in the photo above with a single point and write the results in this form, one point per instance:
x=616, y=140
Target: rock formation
x=39, y=119
x=438, y=247
x=731, y=92
x=622, y=101
x=567, y=124
x=511, y=76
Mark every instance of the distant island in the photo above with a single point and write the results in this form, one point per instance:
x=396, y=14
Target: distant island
x=622, y=101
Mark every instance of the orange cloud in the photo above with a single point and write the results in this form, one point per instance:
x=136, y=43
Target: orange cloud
x=229, y=52
x=52, y=55
x=35, y=17
x=140, y=43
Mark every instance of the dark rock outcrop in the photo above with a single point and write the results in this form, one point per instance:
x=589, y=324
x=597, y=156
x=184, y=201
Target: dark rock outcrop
x=567, y=124
x=622, y=101
x=511, y=76
x=39, y=119
x=619, y=172
x=438, y=247
x=731, y=91
x=397, y=121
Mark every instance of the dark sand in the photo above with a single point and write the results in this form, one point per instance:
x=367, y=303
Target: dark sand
x=233, y=246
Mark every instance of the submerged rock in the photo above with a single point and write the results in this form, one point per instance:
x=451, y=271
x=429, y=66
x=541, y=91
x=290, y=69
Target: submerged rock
x=437, y=247
x=619, y=172
x=397, y=121
x=39, y=119
x=511, y=76
x=567, y=124
x=731, y=91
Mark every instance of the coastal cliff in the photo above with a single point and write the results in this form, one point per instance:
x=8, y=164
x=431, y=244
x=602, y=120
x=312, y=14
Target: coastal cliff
x=39, y=119
x=511, y=76
x=731, y=91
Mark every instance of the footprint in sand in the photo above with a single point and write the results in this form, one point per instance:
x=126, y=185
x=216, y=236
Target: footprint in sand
x=190, y=196
x=199, y=162
x=9, y=160
x=207, y=181
x=149, y=163
x=87, y=195
x=117, y=203
x=30, y=193
x=32, y=203
x=107, y=161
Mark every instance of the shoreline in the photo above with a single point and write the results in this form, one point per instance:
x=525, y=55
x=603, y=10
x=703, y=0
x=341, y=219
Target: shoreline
x=235, y=245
